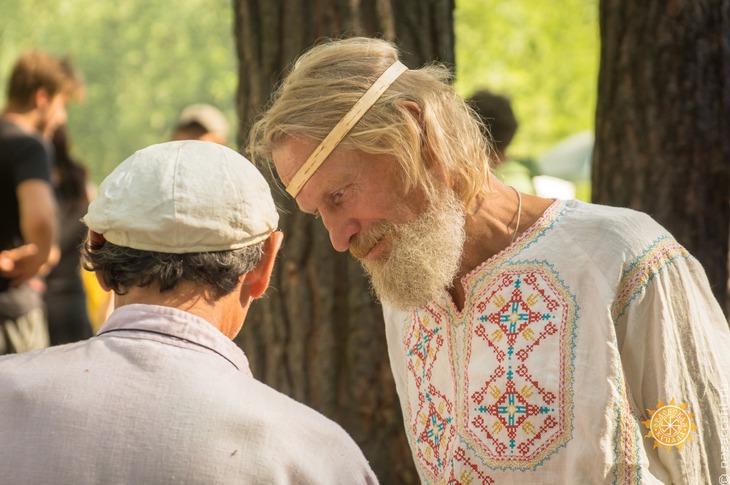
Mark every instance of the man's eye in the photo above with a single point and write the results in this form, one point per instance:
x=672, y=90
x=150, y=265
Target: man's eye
x=337, y=196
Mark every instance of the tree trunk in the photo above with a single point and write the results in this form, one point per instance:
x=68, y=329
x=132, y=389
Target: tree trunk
x=663, y=121
x=318, y=335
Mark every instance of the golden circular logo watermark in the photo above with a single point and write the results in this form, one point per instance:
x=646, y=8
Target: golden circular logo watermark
x=670, y=425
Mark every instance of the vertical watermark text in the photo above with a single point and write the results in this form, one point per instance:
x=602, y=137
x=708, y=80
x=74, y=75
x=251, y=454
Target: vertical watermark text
x=724, y=479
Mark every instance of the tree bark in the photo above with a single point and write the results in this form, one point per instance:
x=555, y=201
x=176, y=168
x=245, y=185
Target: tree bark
x=663, y=121
x=318, y=335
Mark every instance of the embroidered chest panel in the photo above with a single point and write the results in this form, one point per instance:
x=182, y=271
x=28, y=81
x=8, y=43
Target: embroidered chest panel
x=492, y=389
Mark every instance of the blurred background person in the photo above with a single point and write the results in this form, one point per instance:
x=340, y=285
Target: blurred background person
x=202, y=122
x=38, y=90
x=497, y=115
x=565, y=168
x=65, y=298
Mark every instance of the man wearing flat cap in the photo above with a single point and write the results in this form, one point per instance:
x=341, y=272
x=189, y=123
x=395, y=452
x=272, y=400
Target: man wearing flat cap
x=162, y=394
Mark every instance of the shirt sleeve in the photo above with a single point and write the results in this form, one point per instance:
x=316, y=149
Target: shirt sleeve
x=674, y=343
x=32, y=162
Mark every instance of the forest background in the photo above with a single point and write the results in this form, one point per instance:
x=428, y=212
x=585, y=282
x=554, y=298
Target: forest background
x=144, y=60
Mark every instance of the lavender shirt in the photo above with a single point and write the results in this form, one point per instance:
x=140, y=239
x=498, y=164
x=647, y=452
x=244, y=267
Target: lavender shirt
x=160, y=396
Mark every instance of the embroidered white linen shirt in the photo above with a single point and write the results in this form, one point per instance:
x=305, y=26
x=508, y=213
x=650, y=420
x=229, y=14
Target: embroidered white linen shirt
x=568, y=341
x=160, y=396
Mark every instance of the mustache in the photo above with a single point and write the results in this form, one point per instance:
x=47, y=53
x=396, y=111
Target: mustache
x=365, y=240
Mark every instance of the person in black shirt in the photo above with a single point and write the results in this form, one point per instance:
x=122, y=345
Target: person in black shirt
x=39, y=88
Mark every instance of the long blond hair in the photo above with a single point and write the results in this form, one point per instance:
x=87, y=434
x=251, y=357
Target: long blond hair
x=325, y=82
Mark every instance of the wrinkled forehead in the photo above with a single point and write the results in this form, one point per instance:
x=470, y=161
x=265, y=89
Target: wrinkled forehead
x=343, y=165
x=289, y=156
x=317, y=157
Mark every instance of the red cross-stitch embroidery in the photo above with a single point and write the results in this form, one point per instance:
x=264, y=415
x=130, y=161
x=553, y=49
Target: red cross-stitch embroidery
x=469, y=472
x=432, y=420
x=513, y=417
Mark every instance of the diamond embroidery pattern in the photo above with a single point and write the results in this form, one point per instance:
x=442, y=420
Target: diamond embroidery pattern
x=514, y=418
x=432, y=426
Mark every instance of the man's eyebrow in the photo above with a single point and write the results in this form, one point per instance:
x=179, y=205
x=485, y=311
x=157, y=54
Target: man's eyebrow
x=303, y=207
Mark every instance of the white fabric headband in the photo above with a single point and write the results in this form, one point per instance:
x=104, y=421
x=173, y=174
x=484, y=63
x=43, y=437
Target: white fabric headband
x=343, y=127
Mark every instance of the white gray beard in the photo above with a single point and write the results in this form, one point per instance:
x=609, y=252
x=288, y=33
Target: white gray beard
x=424, y=258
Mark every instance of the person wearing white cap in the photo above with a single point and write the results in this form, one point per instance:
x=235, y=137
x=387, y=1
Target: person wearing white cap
x=201, y=121
x=163, y=394
x=528, y=337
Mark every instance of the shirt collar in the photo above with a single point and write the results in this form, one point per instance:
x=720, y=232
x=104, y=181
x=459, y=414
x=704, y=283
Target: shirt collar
x=175, y=323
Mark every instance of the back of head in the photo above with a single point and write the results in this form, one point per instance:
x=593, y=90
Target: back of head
x=497, y=115
x=183, y=210
x=36, y=70
x=327, y=81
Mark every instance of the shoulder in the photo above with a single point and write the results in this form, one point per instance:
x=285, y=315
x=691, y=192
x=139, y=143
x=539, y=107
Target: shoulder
x=619, y=243
x=618, y=218
x=25, y=373
x=624, y=229
x=283, y=410
x=18, y=141
x=305, y=440
x=24, y=155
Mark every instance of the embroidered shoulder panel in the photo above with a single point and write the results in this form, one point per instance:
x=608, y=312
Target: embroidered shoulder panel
x=634, y=280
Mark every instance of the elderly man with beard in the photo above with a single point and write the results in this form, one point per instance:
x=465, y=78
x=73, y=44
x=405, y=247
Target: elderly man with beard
x=531, y=340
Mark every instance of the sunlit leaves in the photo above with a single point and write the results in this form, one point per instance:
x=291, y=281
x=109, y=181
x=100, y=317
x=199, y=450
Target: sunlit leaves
x=143, y=60
x=543, y=54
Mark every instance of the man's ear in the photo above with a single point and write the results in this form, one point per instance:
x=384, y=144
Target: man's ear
x=413, y=108
x=257, y=280
x=432, y=164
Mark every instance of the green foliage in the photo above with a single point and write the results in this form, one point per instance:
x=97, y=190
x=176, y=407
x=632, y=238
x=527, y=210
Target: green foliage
x=142, y=60
x=542, y=54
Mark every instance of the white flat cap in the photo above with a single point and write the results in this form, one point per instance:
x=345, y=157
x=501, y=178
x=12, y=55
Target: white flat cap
x=184, y=197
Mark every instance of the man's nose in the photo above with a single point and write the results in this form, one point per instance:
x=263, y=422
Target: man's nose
x=341, y=231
